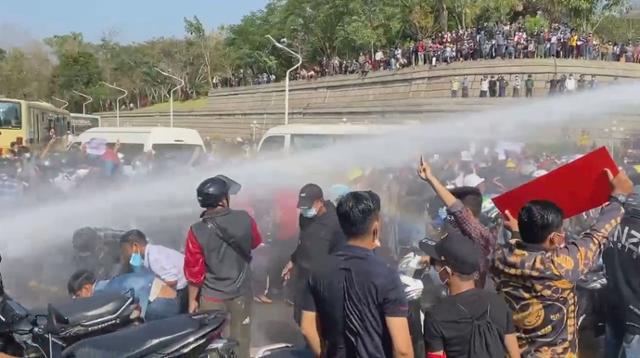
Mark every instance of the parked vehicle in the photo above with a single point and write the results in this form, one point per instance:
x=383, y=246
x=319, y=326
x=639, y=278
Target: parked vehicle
x=194, y=335
x=25, y=334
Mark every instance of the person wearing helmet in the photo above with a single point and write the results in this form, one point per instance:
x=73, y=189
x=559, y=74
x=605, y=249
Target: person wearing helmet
x=217, y=261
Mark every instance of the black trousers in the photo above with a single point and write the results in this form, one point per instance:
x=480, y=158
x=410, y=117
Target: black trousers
x=299, y=285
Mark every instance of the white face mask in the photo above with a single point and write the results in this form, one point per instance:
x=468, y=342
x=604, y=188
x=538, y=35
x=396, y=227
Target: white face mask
x=309, y=213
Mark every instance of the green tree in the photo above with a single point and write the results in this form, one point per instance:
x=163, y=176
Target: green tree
x=78, y=71
x=196, y=30
x=25, y=75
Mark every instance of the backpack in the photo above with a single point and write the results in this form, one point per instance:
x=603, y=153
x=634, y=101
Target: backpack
x=486, y=341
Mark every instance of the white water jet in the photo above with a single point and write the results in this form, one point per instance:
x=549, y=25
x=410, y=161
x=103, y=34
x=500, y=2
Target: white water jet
x=28, y=230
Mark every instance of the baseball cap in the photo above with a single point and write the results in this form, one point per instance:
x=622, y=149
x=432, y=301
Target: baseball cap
x=458, y=252
x=308, y=195
x=472, y=180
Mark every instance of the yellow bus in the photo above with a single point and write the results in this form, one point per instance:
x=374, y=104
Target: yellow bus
x=30, y=124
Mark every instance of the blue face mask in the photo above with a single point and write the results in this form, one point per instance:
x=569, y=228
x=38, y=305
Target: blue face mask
x=309, y=213
x=136, y=261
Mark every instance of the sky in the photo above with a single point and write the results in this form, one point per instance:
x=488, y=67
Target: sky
x=22, y=21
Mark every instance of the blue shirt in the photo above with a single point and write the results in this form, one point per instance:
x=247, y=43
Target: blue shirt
x=352, y=294
x=138, y=282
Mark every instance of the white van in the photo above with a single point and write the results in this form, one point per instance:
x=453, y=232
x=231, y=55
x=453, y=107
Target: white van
x=295, y=138
x=135, y=141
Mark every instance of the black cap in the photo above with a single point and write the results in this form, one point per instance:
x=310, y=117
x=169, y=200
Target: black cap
x=456, y=251
x=308, y=195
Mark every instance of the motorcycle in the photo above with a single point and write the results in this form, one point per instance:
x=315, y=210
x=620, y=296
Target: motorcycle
x=196, y=335
x=103, y=325
x=25, y=334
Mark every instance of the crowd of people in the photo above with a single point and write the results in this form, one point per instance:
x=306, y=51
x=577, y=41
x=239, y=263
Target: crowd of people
x=497, y=86
x=489, y=41
x=506, y=286
x=500, y=285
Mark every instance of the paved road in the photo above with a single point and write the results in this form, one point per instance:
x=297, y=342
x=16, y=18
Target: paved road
x=273, y=323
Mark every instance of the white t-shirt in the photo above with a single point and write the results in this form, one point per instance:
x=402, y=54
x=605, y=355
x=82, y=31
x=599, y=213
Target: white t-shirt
x=570, y=84
x=484, y=85
x=166, y=263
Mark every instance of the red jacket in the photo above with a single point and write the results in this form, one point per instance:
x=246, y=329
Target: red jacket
x=195, y=268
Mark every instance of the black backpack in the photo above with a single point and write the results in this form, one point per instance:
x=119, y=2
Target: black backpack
x=486, y=340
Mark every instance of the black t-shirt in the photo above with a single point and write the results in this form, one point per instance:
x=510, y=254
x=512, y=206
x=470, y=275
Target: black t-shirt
x=622, y=262
x=447, y=327
x=352, y=293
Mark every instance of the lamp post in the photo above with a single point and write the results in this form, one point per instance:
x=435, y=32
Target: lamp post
x=171, y=93
x=286, y=80
x=117, y=100
x=84, y=105
x=61, y=100
x=612, y=135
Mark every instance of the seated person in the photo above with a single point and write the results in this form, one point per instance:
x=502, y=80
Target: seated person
x=157, y=300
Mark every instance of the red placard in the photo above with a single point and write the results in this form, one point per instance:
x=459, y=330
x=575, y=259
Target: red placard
x=575, y=187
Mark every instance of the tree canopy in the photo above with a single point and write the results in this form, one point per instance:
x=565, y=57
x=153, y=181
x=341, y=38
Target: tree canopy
x=316, y=29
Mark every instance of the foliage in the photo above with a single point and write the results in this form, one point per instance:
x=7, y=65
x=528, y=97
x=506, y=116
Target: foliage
x=535, y=23
x=616, y=29
x=317, y=30
x=25, y=74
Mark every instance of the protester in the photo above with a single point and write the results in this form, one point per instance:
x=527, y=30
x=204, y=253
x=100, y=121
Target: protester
x=320, y=235
x=218, y=257
x=464, y=206
x=538, y=272
x=157, y=300
x=553, y=85
x=455, y=87
x=623, y=292
x=484, y=87
x=493, y=86
x=529, y=84
x=465, y=87
x=502, y=86
x=470, y=322
x=570, y=84
x=517, y=83
x=167, y=264
x=354, y=304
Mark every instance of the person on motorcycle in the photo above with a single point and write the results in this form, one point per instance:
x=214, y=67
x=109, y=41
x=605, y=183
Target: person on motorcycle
x=622, y=292
x=157, y=300
x=537, y=273
x=217, y=261
x=165, y=263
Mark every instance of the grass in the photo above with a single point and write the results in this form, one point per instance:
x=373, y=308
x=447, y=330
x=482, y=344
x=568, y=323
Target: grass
x=190, y=105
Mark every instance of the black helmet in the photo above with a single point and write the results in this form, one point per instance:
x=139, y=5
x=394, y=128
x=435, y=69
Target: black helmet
x=212, y=191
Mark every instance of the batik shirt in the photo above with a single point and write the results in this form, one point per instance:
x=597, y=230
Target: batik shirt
x=539, y=286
